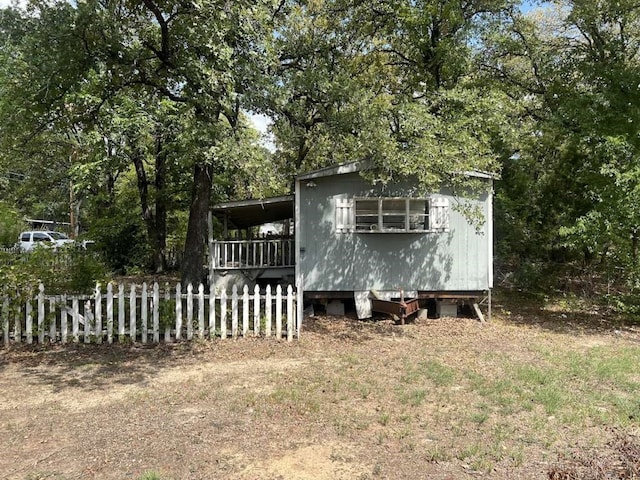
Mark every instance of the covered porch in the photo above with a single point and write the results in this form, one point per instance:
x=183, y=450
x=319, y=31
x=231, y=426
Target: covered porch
x=254, y=241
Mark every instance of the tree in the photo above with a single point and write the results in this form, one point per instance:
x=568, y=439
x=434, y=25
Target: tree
x=575, y=68
x=198, y=57
x=388, y=82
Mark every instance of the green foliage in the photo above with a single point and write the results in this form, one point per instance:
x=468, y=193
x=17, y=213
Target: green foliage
x=381, y=83
x=10, y=225
x=120, y=236
x=66, y=270
x=566, y=196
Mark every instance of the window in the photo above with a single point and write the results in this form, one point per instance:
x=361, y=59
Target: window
x=392, y=215
x=41, y=237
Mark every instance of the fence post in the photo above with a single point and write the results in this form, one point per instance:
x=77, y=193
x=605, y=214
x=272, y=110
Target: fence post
x=234, y=312
x=290, y=313
x=201, y=311
x=144, y=313
x=279, y=312
x=223, y=314
x=109, y=313
x=156, y=312
x=98, y=312
x=256, y=310
x=41, y=314
x=267, y=307
x=178, y=311
x=245, y=310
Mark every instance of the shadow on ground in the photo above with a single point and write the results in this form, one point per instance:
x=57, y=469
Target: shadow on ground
x=95, y=367
x=557, y=314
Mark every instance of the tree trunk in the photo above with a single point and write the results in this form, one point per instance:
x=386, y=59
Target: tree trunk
x=193, y=258
x=160, y=240
x=155, y=237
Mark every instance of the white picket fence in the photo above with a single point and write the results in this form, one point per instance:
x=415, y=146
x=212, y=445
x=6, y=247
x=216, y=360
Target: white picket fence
x=147, y=314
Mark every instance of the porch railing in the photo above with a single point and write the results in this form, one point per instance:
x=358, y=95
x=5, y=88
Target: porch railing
x=261, y=253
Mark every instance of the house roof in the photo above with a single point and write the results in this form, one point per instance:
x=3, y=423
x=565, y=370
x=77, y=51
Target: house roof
x=352, y=167
x=250, y=213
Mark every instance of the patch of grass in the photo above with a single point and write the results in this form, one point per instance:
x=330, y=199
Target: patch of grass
x=383, y=419
x=150, y=476
x=297, y=398
x=481, y=415
x=413, y=398
x=469, y=451
x=436, y=453
x=437, y=373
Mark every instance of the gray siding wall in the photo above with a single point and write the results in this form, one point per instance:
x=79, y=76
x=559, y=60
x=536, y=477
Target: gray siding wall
x=457, y=260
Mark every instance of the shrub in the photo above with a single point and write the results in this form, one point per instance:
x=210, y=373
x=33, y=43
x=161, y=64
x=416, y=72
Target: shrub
x=10, y=225
x=68, y=270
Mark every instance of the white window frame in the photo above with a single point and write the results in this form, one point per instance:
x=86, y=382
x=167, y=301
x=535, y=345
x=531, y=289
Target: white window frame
x=392, y=215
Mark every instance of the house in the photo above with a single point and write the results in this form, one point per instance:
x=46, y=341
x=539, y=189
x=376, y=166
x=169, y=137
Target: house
x=344, y=238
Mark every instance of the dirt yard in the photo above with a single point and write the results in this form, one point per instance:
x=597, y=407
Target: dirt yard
x=437, y=399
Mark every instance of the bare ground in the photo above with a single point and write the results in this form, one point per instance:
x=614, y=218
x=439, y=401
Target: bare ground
x=343, y=402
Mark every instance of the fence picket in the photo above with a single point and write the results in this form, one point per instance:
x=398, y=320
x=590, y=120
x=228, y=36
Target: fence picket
x=144, y=313
x=132, y=314
x=189, y=312
x=223, y=314
x=201, y=311
x=156, y=312
x=178, y=312
x=29, y=322
x=167, y=299
x=17, y=322
x=278, y=312
x=256, y=310
x=212, y=312
x=75, y=320
x=234, y=312
x=121, y=316
x=245, y=310
x=40, y=314
x=64, y=318
x=98, y=312
x=267, y=306
x=53, y=333
x=290, y=313
x=109, y=313
x=87, y=321
x=36, y=318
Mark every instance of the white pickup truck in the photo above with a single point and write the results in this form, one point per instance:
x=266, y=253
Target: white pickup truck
x=30, y=240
